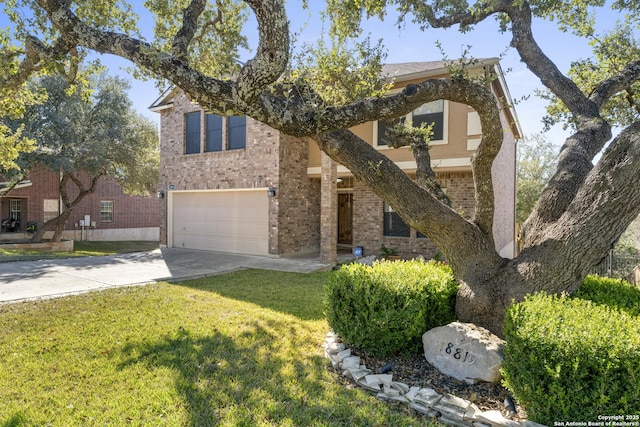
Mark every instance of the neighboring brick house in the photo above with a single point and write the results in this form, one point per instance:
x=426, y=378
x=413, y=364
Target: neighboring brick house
x=237, y=185
x=111, y=214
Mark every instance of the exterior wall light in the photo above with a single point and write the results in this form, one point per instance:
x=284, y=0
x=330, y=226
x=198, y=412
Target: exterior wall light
x=271, y=191
x=160, y=194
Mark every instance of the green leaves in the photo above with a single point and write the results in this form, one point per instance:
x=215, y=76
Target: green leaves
x=575, y=358
x=214, y=48
x=536, y=163
x=90, y=128
x=612, y=52
x=385, y=308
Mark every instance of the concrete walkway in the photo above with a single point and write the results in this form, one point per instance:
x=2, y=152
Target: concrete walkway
x=26, y=280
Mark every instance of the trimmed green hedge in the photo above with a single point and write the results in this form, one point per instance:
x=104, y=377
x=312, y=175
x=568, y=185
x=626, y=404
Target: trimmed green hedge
x=571, y=358
x=385, y=308
x=614, y=293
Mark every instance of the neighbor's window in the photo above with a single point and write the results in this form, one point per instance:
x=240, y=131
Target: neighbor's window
x=393, y=224
x=106, y=211
x=237, y=132
x=431, y=112
x=213, y=140
x=192, y=133
x=15, y=211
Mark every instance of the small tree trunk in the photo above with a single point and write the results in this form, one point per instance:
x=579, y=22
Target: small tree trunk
x=59, y=226
x=56, y=225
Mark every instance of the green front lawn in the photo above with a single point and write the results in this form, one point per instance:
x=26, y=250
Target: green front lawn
x=241, y=349
x=80, y=249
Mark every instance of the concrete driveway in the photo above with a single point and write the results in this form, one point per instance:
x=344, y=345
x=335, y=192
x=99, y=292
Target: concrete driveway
x=25, y=280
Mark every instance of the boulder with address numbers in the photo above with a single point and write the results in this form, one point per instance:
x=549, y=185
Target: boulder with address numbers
x=464, y=351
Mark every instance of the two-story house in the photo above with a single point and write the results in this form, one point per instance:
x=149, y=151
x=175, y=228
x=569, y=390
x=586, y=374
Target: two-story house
x=233, y=184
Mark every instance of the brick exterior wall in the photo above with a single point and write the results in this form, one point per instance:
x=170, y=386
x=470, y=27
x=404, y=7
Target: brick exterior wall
x=269, y=159
x=368, y=217
x=298, y=225
x=129, y=212
x=296, y=217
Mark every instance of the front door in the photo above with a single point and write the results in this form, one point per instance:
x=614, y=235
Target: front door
x=345, y=218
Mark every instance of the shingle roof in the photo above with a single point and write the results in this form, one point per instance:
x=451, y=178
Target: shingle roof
x=409, y=68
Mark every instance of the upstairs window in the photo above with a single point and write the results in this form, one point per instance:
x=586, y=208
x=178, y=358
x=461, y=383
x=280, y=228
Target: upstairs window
x=233, y=130
x=430, y=113
x=192, y=133
x=213, y=140
x=237, y=132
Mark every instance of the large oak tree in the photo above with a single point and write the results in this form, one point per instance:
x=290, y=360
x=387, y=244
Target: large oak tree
x=581, y=212
x=85, y=133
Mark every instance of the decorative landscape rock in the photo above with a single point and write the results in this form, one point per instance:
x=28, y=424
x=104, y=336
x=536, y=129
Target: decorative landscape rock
x=447, y=409
x=368, y=260
x=464, y=351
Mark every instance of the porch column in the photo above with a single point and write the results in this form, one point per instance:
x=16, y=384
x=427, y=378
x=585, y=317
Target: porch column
x=328, y=210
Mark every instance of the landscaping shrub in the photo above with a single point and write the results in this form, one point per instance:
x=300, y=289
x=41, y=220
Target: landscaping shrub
x=614, y=293
x=571, y=359
x=385, y=308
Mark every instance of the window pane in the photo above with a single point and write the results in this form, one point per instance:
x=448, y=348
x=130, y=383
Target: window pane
x=106, y=211
x=383, y=125
x=431, y=112
x=214, y=133
x=15, y=212
x=393, y=224
x=237, y=130
x=192, y=133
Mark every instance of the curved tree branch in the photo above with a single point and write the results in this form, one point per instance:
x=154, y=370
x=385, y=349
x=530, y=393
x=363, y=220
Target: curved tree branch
x=248, y=94
x=608, y=88
x=464, y=18
x=35, y=53
x=420, y=209
x=188, y=30
x=545, y=69
x=272, y=55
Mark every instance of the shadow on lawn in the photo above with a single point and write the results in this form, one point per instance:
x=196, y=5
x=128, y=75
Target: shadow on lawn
x=17, y=420
x=249, y=379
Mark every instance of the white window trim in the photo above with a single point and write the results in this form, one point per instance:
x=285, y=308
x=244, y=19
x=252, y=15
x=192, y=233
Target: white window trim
x=102, y=211
x=409, y=117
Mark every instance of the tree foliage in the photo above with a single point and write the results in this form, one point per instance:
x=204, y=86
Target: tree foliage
x=536, y=162
x=83, y=133
x=588, y=202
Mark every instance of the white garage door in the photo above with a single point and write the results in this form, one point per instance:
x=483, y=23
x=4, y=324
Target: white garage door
x=225, y=221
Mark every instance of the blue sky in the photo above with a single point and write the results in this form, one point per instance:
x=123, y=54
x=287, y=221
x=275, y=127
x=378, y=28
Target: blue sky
x=411, y=44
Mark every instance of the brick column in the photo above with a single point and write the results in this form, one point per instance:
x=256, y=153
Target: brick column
x=328, y=211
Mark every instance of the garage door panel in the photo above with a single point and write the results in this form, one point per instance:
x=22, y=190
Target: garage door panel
x=222, y=221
